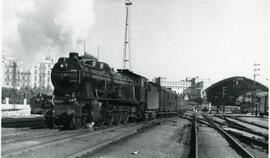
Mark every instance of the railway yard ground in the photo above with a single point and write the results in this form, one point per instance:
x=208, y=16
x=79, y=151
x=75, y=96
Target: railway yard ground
x=187, y=135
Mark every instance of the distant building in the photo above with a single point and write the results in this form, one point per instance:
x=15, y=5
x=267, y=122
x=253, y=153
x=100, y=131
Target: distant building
x=177, y=86
x=39, y=76
x=199, y=82
x=197, y=87
x=25, y=79
x=13, y=75
x=190, y=86
x=41, y=73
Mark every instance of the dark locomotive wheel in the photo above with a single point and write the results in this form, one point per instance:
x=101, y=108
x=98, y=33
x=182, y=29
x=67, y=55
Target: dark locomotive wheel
x=76, y=123
x=140, y=114
x=49, y=122
x=119, y=118
x=111, y=120
x=125, y=118
x=146, y=117
x=89, y=112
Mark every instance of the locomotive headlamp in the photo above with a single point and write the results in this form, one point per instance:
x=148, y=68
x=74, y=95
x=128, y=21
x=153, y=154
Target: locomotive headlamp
x=63, y=65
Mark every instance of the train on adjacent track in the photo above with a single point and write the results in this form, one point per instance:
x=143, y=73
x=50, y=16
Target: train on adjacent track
x=87, y=91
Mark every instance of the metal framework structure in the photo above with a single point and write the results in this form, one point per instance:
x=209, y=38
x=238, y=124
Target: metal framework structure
x=127, y=49
x=225, y=92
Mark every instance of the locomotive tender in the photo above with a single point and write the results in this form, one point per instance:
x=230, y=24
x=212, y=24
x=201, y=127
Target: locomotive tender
x=89, y=91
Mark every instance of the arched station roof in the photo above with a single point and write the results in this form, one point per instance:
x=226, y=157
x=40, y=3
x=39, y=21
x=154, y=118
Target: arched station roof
x=226, y=91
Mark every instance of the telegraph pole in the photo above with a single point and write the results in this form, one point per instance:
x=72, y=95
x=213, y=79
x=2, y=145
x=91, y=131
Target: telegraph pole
x=84, y=52
x=255, y=73
x=98, y=52
x=126, y=56
x=14, y=83
x=223, y=98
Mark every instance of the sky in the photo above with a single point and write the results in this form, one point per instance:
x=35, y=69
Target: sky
x=176, y=39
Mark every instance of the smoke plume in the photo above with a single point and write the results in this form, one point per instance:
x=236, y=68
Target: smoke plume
x=48, y=27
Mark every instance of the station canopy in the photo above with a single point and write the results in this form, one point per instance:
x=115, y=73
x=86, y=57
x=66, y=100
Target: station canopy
x=225, y=92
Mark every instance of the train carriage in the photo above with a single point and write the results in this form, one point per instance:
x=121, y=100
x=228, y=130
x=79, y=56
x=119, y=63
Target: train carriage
x=171, y=101
x=162, y=101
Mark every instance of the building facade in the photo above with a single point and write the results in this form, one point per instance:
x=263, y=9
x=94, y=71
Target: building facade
x=197, y=87
x=191, y=85
x=177, y=86
x=41, y=74
x=14, y=76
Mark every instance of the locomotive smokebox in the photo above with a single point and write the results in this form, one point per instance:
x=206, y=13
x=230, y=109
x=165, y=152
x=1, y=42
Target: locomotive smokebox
x=73, y=55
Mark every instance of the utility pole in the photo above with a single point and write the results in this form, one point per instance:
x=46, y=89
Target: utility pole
x=14, y=77
x=126, y=56
x=254, y=93
x=84, y=52
x=98, y=52
x=223, y=98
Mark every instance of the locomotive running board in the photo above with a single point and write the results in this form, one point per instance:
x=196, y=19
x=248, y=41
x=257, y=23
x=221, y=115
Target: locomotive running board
x=118, y=101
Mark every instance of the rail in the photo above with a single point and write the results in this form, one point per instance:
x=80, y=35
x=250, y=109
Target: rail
x=194, y=137
x=238, y=147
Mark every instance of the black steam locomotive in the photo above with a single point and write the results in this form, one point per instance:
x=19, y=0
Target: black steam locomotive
x=87, y=91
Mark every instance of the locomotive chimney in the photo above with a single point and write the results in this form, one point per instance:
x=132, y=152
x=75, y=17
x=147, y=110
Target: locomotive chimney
x=73, y=55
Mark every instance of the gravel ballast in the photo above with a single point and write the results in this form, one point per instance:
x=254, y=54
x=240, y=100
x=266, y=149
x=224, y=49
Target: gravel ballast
x=171, y=139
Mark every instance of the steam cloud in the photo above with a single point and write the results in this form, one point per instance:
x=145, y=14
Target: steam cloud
x=50, y=27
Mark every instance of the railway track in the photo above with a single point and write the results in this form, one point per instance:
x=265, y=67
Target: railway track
x=253, y=129
x=255, y=144
x=248, y=139
x=251, y=123
x=75, y=144
x=36, y=134
x=194, y=136
x=237, y=146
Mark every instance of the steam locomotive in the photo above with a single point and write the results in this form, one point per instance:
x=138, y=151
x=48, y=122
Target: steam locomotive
x=87, y=91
